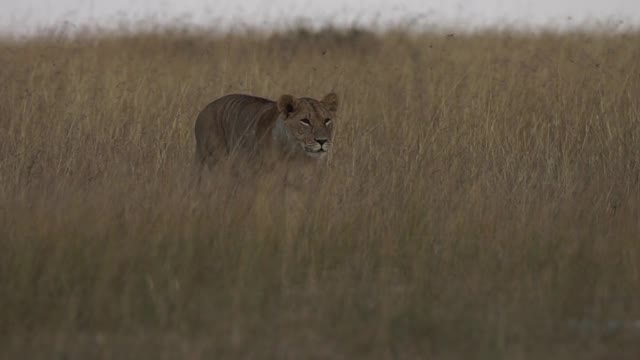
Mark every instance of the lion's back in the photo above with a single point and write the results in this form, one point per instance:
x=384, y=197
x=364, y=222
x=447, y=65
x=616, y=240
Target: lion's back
x=229, y=123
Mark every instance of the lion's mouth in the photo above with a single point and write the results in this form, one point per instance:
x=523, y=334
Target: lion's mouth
x=316, y=153
x=317, y=150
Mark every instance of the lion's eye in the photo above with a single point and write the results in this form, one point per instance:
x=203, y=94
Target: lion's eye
x=327, y=122
x=305, y=121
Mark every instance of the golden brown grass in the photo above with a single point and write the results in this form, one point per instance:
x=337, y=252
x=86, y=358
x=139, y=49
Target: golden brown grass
x=482, y=200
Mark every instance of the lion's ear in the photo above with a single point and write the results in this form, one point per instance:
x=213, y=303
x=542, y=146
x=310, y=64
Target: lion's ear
x=331, y=100
x=287, y=104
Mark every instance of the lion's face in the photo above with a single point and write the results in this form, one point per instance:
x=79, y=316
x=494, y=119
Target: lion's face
x=310, y=122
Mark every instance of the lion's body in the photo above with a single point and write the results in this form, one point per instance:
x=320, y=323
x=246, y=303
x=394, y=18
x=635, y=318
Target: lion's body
x=249, y=125
x=232, y=123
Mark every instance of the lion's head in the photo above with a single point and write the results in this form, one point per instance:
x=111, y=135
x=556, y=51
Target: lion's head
x=310, y=122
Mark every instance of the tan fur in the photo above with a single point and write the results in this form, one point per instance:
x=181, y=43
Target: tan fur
x=248, y=125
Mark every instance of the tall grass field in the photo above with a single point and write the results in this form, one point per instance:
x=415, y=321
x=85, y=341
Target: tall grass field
x=481, y=200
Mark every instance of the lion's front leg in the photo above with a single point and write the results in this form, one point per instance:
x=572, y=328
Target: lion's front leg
x=295, y=210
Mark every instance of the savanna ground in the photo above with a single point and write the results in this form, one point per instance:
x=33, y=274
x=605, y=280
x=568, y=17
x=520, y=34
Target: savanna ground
x=482, y=200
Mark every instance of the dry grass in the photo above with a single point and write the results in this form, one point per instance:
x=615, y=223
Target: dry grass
x=482, y=201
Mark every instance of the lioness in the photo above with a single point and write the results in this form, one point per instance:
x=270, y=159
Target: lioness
x=290, y=127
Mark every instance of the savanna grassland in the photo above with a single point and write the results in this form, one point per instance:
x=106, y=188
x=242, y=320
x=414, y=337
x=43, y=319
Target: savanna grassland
x=482, y=200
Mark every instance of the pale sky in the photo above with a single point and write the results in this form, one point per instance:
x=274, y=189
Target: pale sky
x=23, y=16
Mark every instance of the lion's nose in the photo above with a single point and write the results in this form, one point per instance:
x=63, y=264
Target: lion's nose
x=321, y=141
